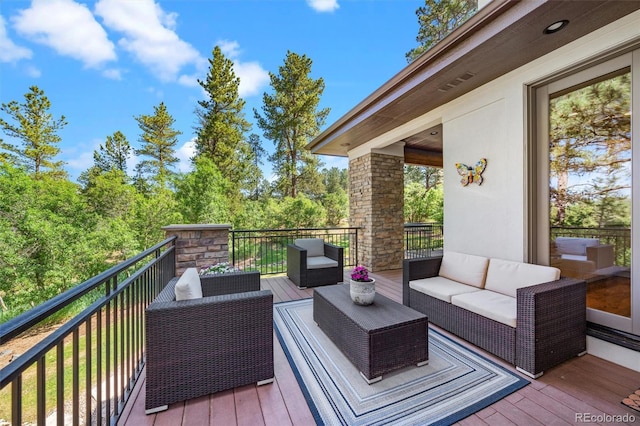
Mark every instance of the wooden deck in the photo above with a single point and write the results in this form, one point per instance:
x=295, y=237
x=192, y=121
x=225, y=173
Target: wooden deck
x=582, y=386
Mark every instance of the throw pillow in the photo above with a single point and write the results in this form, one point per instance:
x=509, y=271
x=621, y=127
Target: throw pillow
x=188, y=285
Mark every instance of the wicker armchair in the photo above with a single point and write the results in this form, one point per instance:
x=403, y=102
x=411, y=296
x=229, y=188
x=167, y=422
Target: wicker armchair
x=201, y=346
x=311, y=262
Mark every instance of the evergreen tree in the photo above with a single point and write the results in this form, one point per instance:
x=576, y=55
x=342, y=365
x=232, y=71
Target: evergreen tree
x=221, y=122
x=255, y=155
x=291, y=119
x=589, y=150
x=114, y=154
x=36, y=128
x=158, y=145
x=428, y=176
x=437, y=18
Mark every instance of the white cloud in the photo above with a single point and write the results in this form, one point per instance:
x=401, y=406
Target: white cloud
x=9, y=51
x=112, y=73
x=33, y=72
x=81, y=161
x=185, y=154
x=323, y=5
x=148, y=34
x=252, y=77
x=229, y=48
x=67, y=27
x=132, y=162
x=188, y=80
x=251, y=74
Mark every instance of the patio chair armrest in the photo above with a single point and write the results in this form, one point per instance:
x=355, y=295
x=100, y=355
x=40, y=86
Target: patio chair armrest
x=551, y=323
x=415, y=269
x=334, y=252
x=235, y=282
x=296, y=263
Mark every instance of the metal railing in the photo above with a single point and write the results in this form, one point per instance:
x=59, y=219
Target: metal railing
x=85, y=370
x=422, y=240
x=620, y=238
x=265, y=250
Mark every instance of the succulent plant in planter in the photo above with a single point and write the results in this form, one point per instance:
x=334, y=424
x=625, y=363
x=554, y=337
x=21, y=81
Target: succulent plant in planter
x=362, y=288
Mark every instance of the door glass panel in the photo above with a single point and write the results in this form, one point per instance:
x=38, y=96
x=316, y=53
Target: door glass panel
x=590, y=188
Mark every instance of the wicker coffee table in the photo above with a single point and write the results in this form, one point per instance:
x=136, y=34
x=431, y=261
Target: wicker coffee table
x=378, y=338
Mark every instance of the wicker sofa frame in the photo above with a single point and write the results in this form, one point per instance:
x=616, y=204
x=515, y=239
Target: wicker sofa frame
x=302, y=277
x=202, y=346
x=550, y=325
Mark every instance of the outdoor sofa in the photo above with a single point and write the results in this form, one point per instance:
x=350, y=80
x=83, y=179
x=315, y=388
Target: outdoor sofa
x=202, y=345
x=311, y=262
x=523, y=313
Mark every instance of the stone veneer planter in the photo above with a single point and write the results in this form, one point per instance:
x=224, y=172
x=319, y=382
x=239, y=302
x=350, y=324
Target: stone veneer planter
x=199, y=245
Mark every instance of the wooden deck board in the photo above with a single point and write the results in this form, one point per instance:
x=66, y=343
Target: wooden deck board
x=582, y=385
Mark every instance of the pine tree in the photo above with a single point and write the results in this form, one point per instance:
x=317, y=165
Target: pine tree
x=36, y=129
x=113, y=155
x=158, y=145
x=291, y=119
x=437, y=18
x=221, y=122
x=255, y=154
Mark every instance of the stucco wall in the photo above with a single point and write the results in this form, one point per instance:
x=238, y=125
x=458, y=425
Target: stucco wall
x=490, y=122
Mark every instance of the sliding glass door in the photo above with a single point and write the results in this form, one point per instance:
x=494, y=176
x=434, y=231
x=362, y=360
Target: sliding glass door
x=586, y=191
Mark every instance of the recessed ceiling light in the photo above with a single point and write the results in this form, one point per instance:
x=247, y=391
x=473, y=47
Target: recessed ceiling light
x=556, y=26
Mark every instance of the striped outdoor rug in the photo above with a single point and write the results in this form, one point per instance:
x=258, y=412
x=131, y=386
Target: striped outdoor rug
x=455, y=384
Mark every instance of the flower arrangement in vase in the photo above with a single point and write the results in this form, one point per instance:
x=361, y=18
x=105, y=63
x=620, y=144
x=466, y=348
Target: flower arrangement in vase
x=362, y=288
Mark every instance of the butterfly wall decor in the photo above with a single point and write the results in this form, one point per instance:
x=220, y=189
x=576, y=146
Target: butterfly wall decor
x=471, y=174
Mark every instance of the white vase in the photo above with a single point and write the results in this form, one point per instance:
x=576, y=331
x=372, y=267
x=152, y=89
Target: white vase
x=362, y=292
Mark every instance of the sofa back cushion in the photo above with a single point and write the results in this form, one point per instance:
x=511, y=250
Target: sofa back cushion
x=464, y=268
x=505, y=276
x=313, y=246
x=189, y=286
x=575, y=245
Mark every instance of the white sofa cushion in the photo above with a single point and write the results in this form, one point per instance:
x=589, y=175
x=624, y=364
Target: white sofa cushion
x=464, y=268
x=313, y=246
x=441, y=288
x=505, y=276
x=489, y=304
x=319, y=262
x=575, y=245
x=188, y=285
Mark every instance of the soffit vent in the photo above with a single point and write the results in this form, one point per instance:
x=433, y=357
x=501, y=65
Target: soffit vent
x=456, y=82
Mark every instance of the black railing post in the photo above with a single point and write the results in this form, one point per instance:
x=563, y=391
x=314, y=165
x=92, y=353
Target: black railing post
x=233, y=248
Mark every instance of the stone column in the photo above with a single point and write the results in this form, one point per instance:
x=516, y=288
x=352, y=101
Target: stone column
x=376, y=203
x=199, y=245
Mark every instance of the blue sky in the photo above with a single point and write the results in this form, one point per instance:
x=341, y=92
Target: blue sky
x=103, y=62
